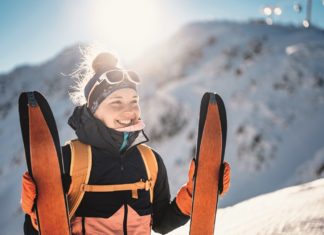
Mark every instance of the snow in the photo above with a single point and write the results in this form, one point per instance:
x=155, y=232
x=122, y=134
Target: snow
x=295, y=210
x=270, y=77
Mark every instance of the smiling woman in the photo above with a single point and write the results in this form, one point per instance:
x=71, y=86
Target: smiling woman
x=123, y=188
x=128, y=25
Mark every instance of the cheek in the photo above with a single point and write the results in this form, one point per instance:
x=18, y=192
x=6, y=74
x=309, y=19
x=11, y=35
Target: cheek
x=137, y=110
x=108, y=120
x=105, y=115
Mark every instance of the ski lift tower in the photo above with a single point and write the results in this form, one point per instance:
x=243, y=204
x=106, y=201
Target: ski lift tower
x=307, y=21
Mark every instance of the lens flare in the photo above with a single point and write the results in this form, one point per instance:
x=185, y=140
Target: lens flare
x=267, y=11
x=306, y=23
x=277, y=11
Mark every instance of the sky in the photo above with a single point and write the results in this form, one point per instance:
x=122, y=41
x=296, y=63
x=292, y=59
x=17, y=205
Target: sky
x=33, y=31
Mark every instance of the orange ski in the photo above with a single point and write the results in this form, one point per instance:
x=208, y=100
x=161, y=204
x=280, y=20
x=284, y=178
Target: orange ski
x=209, y=158
x=44, y=163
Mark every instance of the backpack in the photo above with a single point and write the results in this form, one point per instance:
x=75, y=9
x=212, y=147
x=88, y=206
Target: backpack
x=80, y=172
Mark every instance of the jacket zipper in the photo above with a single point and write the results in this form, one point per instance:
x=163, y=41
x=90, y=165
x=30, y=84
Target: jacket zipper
x=125, y=219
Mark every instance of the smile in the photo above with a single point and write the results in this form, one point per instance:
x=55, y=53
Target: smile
x=124, y=122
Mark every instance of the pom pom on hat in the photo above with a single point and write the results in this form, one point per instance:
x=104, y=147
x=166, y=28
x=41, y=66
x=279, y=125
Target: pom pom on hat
x=104, y=61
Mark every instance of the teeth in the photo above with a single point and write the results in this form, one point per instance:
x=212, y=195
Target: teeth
x=125, y=122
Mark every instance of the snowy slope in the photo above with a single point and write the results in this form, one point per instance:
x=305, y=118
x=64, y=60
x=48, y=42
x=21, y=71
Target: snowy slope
x=291, y=211
x=272, y=82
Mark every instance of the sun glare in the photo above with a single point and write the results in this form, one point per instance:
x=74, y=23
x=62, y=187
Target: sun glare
x=130, y=25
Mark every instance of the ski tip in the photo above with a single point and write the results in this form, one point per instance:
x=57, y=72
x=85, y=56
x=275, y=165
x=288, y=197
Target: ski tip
x=209, y=97
x=212, y=98
x=38, y=95
x=220, y=102
x=31, y=99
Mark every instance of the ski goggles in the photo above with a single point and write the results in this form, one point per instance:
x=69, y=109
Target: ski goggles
x=115, y=77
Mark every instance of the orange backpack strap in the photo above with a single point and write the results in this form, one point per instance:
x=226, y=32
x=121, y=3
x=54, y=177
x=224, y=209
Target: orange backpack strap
x=151, y=171
x=151, y=166
x=81, y=161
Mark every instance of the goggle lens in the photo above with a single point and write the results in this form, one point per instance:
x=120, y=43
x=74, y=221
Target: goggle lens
x=133, y=77
x=118, y=76
x=114, y=77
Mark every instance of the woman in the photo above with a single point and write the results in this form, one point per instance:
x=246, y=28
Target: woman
x=109, y=124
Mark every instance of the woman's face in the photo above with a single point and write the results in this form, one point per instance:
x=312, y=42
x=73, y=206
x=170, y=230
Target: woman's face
x=120, y=109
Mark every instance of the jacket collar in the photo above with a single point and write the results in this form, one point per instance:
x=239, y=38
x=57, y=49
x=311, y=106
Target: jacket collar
x=92, y=131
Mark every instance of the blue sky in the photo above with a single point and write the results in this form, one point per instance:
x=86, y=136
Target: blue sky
x=34, y=30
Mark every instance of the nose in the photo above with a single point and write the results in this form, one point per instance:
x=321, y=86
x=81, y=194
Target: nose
x=131, y=111
x=129, y=114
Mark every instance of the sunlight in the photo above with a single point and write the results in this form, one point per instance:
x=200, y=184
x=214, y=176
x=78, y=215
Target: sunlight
x=129, y=25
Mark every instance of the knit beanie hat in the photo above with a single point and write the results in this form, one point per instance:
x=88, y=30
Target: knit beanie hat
x=107, y=79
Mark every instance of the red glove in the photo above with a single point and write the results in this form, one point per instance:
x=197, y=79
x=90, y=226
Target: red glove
x=184, y=196
x=226, y=178
x=28, y=195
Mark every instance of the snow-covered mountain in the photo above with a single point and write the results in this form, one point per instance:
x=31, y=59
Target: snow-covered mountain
x=272, y=82
x=270, y=77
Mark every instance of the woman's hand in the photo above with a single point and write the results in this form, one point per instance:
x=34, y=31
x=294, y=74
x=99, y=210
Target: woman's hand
x=226, y=178
x=184, y=196
x=28, y=195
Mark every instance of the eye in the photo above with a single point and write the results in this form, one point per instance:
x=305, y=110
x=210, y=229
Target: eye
x=117, y=102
